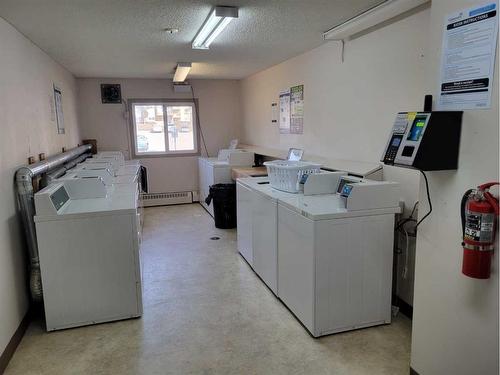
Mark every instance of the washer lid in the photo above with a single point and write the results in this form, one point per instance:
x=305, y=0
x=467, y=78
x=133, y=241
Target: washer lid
x=127, y=170
x=261, y=185
x=328, y=206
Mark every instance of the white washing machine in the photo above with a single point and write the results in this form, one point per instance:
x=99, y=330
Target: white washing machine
x=257, y=233
x=117, y=165
x=218, y=171
x=89, y=253
x=335, y=255
x=115, y=185
x=111, y=181
x=115, y=155
x=117, y=168
x=257, y=218
x=327, y=252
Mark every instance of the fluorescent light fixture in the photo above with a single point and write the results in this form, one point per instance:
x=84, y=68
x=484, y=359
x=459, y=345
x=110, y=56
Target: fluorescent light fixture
x=372, y=17
x=182, y=71
x=216, y=22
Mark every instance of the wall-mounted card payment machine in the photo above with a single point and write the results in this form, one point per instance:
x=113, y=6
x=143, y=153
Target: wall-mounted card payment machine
x=428, y=141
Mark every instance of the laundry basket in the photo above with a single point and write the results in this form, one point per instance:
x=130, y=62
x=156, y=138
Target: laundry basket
x=285, y=174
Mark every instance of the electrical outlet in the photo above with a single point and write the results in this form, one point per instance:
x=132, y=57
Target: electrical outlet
x=402, y=206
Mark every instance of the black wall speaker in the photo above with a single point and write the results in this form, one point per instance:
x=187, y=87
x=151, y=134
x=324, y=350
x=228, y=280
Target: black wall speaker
x=111, y=93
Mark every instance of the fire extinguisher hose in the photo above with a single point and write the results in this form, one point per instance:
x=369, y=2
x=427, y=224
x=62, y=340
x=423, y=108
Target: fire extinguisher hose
x=462, y=208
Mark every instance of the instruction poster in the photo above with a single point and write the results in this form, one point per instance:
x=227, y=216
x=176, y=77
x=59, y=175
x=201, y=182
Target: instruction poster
x=285, y=111
x=468, y=58
x=297, y=109
x=292, y=110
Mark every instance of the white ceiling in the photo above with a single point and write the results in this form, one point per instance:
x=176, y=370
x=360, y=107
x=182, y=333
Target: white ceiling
x=125, y=38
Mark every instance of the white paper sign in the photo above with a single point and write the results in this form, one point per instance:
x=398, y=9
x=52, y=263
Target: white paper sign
x=59, y=110
x=468, y=58
x=297, y=109
x=285, y=111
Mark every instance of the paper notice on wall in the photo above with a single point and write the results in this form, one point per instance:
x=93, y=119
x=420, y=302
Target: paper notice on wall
x=59, y=110
x=468, y=58
x=297, y=109
x=285, y=111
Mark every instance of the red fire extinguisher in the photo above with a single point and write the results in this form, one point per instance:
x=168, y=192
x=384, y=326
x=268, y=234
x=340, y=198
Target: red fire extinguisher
x=479, y=211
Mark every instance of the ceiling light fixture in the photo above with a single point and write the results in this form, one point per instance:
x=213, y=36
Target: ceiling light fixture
x=182, y=71
x=171, y=30
x=372, y=17
x=216, y=22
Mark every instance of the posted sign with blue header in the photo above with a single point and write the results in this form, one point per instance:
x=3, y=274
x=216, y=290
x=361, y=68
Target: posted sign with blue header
x=468, y=58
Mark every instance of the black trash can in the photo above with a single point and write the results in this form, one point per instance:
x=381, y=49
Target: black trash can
x=224, y=201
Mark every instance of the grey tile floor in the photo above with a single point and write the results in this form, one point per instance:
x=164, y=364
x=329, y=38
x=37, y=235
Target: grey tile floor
x=206, y=312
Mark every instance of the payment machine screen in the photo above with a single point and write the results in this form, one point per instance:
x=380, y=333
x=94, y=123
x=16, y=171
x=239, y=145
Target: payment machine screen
x=346, y=190
x=417, y=128
x=343, y=187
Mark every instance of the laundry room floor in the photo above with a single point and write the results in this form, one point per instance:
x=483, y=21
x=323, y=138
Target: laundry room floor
x=206, y=312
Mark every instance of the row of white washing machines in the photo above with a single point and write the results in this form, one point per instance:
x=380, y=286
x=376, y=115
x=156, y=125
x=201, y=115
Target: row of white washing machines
x=325, y=253
x=88, y=225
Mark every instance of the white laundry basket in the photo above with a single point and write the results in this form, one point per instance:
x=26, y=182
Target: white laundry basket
x=285, y=174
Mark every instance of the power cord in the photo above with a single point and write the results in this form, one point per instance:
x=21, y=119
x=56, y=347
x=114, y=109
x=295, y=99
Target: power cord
x=405, y=268
x=199, y=121
x=401, y=227
x=410, y=218
x=428, y=199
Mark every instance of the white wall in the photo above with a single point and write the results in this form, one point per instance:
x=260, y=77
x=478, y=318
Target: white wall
x=455, y=327
x=349, y=107
x=27, y=76
x=220, y=116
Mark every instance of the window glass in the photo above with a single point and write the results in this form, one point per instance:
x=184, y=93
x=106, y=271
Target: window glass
x=149, y=129
x=180, y=128
x=164, y=127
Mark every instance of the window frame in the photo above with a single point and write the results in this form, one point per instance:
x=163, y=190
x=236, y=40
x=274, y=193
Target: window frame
x=165, y=103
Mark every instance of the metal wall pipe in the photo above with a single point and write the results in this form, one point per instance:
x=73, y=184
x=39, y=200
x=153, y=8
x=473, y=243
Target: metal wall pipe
x=56, y=173
x=24, y=184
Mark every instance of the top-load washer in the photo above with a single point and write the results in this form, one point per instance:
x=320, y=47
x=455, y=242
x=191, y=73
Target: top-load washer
x=333, y=248
x=335, y=255
x=257, y=218
x=115, y=185
x=89, y=253
x=218, y=171
x=117, y=166
x=115, y=155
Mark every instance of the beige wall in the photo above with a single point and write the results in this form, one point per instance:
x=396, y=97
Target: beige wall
x=27, y=76
x=455, y=327
x=349, y=106
x=219, y=108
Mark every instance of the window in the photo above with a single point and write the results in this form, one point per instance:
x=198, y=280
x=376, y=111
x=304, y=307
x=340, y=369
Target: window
x=163, y=128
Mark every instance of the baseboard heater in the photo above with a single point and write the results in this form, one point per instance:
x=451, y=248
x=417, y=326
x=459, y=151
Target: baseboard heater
x=164, y=199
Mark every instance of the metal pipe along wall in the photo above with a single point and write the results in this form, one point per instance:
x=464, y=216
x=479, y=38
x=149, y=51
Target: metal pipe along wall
x=24, y=184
